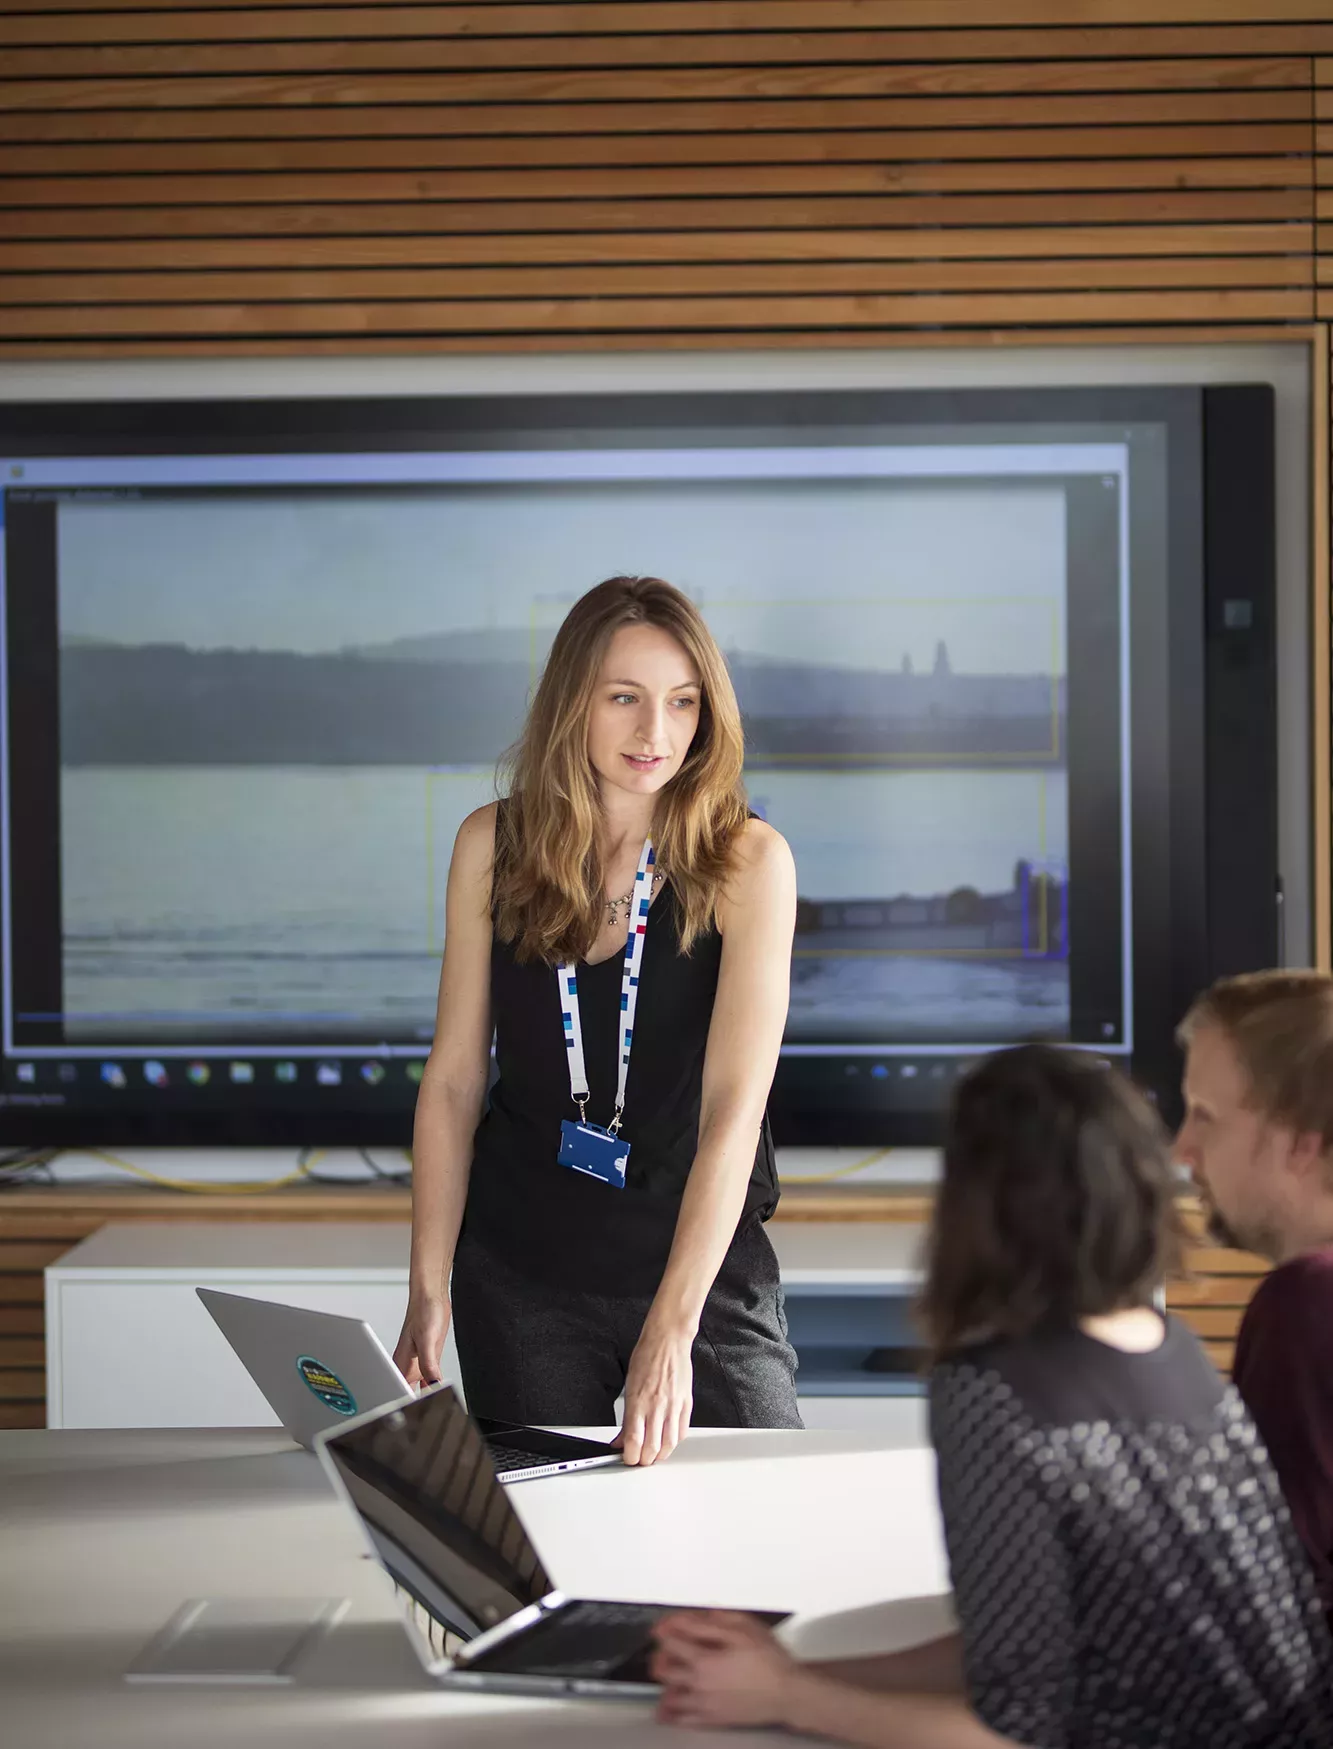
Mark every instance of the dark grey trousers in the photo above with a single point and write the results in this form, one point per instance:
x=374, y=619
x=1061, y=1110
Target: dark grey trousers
x=532, y=1353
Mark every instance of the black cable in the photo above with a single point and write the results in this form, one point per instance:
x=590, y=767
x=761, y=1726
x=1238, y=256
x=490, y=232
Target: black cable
x=27, y=1156
x=380, y=1173
x=26, y=1166
x=340, y=1181
x=33, y=1166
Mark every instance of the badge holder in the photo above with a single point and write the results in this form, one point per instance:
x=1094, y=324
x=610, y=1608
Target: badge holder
x=587, y=1147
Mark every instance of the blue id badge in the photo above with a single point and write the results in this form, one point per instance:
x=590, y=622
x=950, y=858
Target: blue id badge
x=586, y=1147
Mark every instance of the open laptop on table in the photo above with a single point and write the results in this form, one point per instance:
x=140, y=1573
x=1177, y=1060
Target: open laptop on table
x=318, y=1370
x=419, y=1478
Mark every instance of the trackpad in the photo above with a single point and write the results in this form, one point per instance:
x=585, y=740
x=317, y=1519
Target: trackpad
x=236, y=1639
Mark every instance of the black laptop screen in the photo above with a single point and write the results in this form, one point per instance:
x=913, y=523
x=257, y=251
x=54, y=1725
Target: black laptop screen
x=422, y=1480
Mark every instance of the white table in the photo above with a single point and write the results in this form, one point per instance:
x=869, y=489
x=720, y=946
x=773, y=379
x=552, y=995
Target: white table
x=104, y=1534
x=129, y=1345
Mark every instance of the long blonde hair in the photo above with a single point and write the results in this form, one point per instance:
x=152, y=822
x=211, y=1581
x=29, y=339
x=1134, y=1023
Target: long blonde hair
x=548, y=884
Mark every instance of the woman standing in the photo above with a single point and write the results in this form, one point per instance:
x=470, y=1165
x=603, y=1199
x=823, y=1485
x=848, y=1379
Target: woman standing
x=1125, y=1572
x=625, y=927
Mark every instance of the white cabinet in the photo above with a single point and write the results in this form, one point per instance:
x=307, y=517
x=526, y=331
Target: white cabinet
x=849, y=1288
x=130, y=1345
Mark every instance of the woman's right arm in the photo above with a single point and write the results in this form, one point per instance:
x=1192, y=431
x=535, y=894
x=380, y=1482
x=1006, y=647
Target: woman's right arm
x=453, y=1087
x=933, y=1667
x=1010, y=1679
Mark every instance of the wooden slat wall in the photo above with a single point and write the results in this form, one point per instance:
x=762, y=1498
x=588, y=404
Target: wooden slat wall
x=1322, y=618
x=247, y=177
x=1324, y=182
x=1213, y=1299
x=693, y=173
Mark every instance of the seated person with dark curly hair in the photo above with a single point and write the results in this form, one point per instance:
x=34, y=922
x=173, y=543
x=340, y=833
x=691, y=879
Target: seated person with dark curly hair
x=1126, y=1574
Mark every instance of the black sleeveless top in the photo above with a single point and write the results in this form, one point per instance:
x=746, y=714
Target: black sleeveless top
x=554, y=1224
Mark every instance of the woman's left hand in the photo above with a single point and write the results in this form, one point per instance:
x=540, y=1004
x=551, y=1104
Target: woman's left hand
x=659, y=1394
x=720, y=1668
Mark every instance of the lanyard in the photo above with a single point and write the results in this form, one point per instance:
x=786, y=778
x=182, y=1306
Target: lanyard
x=567, y=984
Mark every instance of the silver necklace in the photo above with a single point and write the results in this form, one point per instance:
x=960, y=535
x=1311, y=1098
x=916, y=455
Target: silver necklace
x=615, y=906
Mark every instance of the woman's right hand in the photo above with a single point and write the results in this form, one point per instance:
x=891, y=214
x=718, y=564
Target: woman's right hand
x=421, y=1344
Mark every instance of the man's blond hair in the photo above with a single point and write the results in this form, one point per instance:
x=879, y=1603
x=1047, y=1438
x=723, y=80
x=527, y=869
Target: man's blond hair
x=1280, y=1025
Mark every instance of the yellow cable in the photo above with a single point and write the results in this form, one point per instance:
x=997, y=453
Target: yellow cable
x=302, y=1172
x=838, y=1172
x=307, y=1166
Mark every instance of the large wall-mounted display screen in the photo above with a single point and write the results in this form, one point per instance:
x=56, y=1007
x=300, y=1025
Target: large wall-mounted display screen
x=260, y=662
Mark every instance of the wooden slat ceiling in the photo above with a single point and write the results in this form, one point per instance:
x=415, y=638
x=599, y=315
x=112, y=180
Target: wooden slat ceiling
x=255, y=177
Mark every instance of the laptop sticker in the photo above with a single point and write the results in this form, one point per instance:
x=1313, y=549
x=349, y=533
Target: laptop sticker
x=325, y=1385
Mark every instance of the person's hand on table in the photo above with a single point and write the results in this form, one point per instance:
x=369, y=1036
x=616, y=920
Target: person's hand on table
x=417, y=1355
x=659, y=1394
x=721, y=1668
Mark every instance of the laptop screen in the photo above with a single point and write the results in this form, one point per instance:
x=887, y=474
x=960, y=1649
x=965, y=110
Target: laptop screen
x=422, y=1480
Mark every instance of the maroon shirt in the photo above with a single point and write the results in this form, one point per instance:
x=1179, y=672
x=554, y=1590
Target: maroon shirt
x=1284, y=1372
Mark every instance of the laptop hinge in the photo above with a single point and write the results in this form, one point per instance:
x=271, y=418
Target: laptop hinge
x=511, y=1625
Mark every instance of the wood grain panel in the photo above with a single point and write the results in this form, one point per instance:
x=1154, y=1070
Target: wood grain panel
x=574, y=217
x=23, y=1289
x=256, y=20
x=1232, y=143
x=1290, y=243
x=651, y=315
x=762, y=278
x=1214, y=1260
x=91, y=347
x=1211, y=1299
x=912, y=61
x=22, y=1384
x=1002, y=31
x=1222, y=1355
x=1288, y=100
x=22, y=1351
x=1284, y=177
x=1213, y=1321
x=1219, y=1290
x=22, y=1256
x=739, y=85
x=1321, y=638
x=25, y=1415
x=68, y=1213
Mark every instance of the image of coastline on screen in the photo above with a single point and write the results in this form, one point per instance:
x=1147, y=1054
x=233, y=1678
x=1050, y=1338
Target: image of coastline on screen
x=276, y=705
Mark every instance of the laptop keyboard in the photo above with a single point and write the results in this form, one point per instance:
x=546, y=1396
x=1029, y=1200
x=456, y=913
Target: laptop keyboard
x=509, y=1457
x=583, y=1639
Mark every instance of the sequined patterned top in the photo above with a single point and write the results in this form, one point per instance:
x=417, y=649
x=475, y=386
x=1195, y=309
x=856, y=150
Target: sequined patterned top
x=1125, y=1571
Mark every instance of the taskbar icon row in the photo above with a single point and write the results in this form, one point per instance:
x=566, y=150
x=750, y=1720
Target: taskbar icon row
x=162, y=1073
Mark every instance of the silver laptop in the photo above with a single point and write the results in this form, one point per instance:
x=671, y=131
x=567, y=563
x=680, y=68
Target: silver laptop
x=418, y=1476
x=318, y=1370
